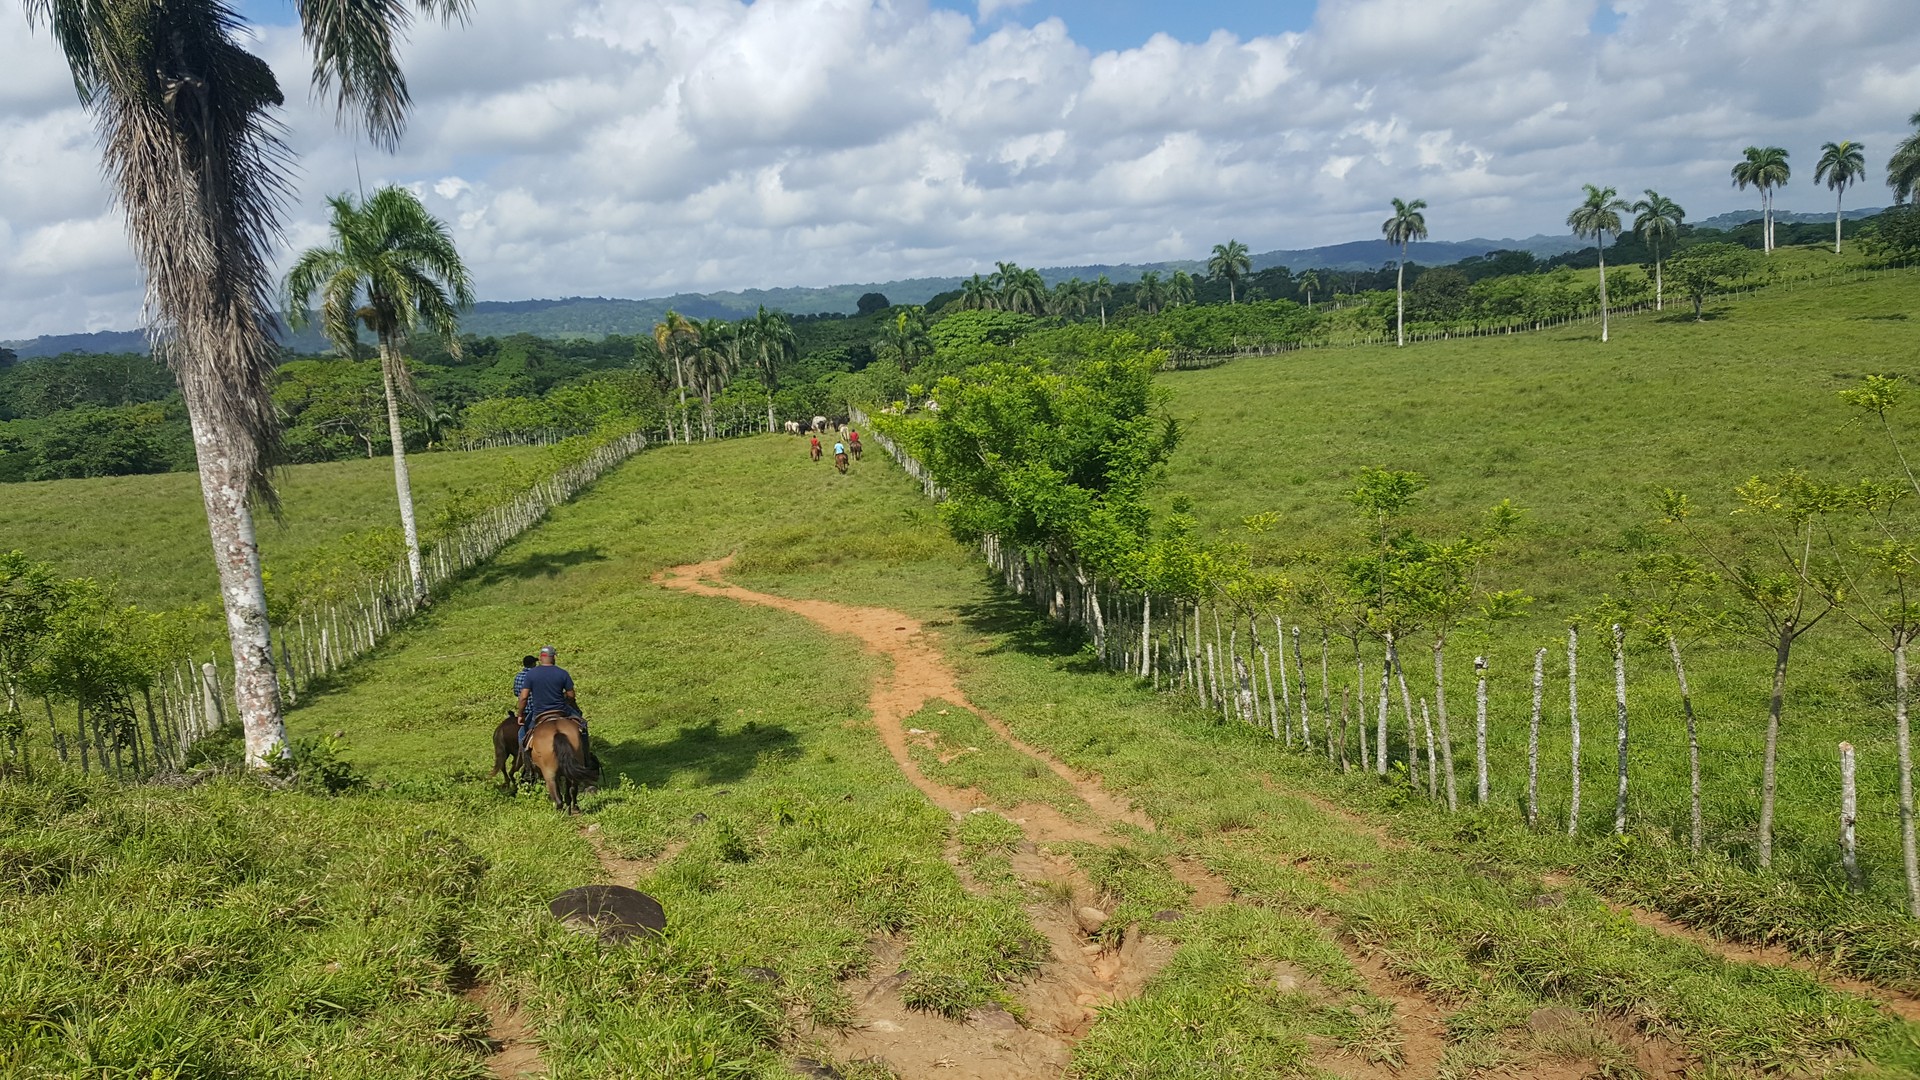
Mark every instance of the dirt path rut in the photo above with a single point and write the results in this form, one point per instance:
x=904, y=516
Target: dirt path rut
x=1083, y=973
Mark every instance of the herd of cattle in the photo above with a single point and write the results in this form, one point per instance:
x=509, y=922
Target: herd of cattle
x=820, y=426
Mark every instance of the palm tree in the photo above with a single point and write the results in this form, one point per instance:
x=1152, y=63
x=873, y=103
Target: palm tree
x=677, y=337
x=1903, y=168
x=192, y=148
x=1658, y=219
x=976, y=294
x=1407, y=224
x=905, y=339
x=1021, y=289
x=1179, y=289
x=1763, y=168
x=392, y=268
x=1071, y=295
x=715, y=360
x=1231, y=261
x=1099, y=293
x=1309, y=284
x=769, y=335
x=1151, y=293
x=1596, y=216
x=1841, y=164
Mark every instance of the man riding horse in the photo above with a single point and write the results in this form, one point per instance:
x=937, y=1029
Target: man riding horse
x=547, y=690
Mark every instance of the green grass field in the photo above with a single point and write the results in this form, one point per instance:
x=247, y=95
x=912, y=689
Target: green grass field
x=1585, y=436
x=229, y=930
x=150, y=532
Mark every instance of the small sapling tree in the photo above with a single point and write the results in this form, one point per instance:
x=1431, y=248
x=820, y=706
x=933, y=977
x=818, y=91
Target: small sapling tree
x=1784, y=591
x=1700, y=272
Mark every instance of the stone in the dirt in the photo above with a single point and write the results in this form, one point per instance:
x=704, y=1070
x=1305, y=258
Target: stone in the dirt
x=1552, y=899
x=818, y=1070
x=992, y=1018
x=916, y=731
x=763, y=974
x=1091, y=919
x=698, y=819
x=1553, y=1019
x=614, y=913
x=890, y=983
x=1169, y=915
x=882, y=1025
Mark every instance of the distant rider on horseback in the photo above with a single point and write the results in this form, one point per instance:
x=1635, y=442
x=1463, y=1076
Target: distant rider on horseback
x=546, y=689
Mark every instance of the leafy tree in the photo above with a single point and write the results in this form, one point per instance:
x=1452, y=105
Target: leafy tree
x=1785, y=591
x=101, y=442
x=1841, y=164
x=1406, y=225
x=872, y=302
x=1903, y=168
x=1049, y=460
x=391, y=267
x=1657, y=219
x=1763, y=168
x=194, y=155
x=1230, y=262
x=1596, y=216
x=28, y=599
x=1439, y=295
x=1703, y=270
x=769, y=336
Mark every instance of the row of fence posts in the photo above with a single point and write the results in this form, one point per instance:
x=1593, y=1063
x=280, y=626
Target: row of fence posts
x=312, y=642
x=1185, y=360
x=1185, y=647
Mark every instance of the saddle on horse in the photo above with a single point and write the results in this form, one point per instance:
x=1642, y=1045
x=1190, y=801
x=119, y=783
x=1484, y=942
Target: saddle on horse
x=586, y=751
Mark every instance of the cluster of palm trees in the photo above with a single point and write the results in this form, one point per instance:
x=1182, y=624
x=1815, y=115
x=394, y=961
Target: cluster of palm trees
x=704, y=356
x=1012, y=287
x=191, y=145
x=1842, y=164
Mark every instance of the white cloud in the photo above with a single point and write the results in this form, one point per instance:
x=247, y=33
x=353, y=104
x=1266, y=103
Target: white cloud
x=590, y=146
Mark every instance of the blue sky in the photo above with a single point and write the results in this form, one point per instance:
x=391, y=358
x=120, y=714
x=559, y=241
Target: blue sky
x=1101, y=25
x=644, y=147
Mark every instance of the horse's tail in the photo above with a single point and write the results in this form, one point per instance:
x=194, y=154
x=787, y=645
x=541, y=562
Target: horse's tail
x=569, y=764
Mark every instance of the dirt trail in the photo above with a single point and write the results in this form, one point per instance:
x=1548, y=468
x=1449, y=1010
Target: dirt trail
x=514, y=1053
x=1084, y=972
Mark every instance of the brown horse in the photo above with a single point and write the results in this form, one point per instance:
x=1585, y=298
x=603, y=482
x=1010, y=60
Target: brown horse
x=509, y=761
x=840, y=461
x=558, y=749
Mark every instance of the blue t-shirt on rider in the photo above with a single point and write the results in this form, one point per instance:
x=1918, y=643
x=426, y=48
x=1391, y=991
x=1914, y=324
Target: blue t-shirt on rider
x=546, y=690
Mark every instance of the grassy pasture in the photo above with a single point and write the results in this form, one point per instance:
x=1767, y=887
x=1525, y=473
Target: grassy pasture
x=150, y=532
x=226, y=930
x=1585, y=436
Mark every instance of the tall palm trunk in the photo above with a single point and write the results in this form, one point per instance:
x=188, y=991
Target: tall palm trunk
x=1839, y=200
x=1601, y=246
x=224, y=485
x=390, y=376
x=1659, y=287
x=1400, y=299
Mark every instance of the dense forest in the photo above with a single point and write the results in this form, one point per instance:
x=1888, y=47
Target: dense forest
x=105, y=414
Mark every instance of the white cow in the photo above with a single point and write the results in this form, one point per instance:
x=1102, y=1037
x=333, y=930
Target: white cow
x=793, y=427
x=819, y=423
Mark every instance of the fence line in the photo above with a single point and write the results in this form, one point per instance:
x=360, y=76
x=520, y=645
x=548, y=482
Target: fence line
x=1182, y=645
x=1192, y=359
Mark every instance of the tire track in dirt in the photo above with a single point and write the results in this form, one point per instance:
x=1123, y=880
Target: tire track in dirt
x=1080, y=975
x=512, y=1049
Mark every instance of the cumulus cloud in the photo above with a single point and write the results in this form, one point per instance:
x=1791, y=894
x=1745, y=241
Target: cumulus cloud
x=595, y=147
